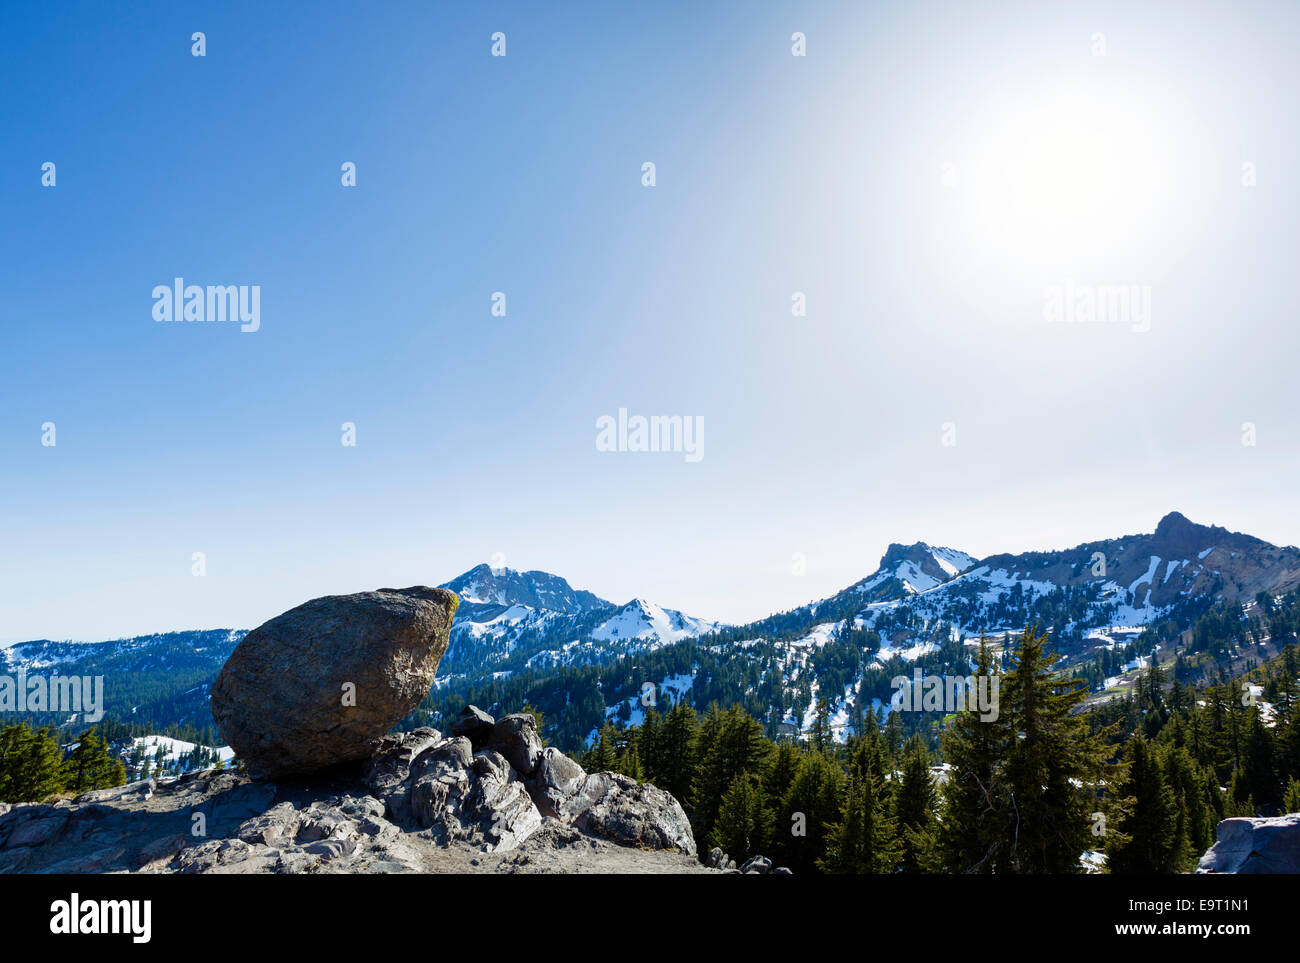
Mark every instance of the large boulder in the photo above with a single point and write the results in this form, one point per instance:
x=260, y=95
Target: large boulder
x=318, y=685
x=1255, y=845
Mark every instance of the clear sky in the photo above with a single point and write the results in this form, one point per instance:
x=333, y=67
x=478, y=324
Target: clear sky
x=925, y=175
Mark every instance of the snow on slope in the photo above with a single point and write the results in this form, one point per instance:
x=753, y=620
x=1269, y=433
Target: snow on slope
x=640, y=619
x=169, y=751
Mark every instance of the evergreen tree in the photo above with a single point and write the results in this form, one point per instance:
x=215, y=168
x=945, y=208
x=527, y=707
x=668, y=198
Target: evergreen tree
x=743, y=822
x=865, y=840
x=1150, y=824
x=31, y=766
x=676, y=753
x=1052, y=761
x=91, y=766
x=734, y=746
x=976, y=810
x=914, y=803
x=810, y=808
x=1291, y=799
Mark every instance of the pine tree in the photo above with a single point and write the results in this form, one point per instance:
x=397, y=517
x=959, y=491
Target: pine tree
x=1258, y=769
x=674, y=768
x=976, y=810
x=31, y=766
x=811, y=806
x=1150, y=824
x=914, y=804
x=734, y=746
x=865, y=840
x=91, y=766
x=602, y=756
x=743, y=823
x=1052, y=762
x=1196, y=824
x=1291, y=799
x=820, y=734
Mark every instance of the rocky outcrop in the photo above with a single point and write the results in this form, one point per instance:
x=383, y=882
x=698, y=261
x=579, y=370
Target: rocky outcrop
x=316, y=686
x=1255, y=845
x=498, y=795
x=423, y=802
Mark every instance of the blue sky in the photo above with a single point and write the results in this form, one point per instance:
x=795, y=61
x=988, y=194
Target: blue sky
x=476, y=435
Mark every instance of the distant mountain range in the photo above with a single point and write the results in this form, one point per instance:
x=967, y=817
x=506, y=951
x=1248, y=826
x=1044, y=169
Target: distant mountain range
x=923, y=605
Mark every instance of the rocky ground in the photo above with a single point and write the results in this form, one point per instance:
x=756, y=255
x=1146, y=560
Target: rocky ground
x=424, y=803
x=332, y=826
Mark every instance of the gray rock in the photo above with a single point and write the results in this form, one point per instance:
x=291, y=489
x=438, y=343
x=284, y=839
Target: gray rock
x=516, y=738
x=1255, y=845
x=387, y=772
x=279, y=701
x=613, y=806
x=131, y=792
x=757, y=864
x=556, y=780
x=37, y=832
x=93, y=862
x=474, y=724
x=477, y=798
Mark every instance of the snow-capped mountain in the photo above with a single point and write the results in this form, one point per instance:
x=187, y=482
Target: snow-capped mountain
x=1110, y=607
x=484, y=587
x=909, y=569
x=575, y=655
x=644, y=620
x=509, y=621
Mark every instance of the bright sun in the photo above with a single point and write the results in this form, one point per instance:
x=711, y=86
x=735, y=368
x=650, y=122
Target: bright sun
x=1083, y=170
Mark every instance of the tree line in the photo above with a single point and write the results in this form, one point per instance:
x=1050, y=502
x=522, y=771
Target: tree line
x=1137, y=785
x=33, y=767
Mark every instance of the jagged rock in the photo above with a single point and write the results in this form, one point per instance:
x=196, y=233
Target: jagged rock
x=613, y=806
x=314, y=687
x=470, y=796
x=474, y=724
x=782, y=871
x=388, y=770
x=757, y=864
x=1255, y=845
x=556, y=779
x=516, y=738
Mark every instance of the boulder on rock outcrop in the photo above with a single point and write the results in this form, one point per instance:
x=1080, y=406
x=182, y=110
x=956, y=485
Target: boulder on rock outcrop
x=424, y=802
x=316, y=686
x=1255, y=845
